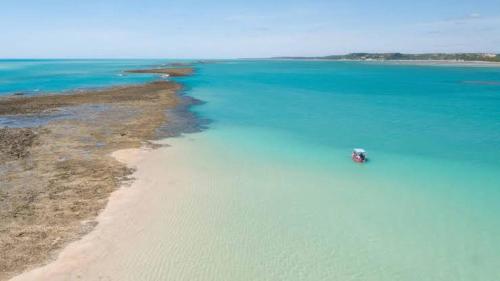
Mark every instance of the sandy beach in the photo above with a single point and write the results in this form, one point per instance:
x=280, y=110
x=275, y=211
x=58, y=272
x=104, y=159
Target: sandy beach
x=130, y=214
x=56, y=176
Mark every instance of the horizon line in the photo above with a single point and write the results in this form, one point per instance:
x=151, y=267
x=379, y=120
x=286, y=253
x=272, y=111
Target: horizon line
x=237, y=58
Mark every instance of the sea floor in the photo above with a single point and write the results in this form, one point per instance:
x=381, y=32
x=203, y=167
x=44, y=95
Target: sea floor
x=202, y=210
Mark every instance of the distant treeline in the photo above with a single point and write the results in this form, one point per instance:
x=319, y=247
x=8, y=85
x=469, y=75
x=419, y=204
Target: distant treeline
x=401, y=56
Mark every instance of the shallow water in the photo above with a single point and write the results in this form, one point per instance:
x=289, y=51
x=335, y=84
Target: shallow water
x=424, y=208
x=269, y=191
x=38, y=76
x=41, y=119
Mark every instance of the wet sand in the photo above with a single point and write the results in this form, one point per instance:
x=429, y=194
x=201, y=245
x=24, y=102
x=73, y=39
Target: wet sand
x=56, y=178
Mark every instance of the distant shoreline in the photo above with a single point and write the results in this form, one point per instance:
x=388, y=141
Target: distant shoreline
x=402, y=62
x=428, y=58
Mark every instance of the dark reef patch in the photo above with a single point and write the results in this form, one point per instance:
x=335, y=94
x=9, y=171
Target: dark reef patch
x=182, y=119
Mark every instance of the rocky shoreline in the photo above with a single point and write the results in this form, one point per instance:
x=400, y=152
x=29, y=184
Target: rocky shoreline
x=56, y=178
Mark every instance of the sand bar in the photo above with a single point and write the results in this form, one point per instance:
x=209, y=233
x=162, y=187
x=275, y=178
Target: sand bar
x=57, y=177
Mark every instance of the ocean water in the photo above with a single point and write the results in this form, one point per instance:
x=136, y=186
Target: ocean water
x=39, y=75
x=424, y=208
x=272, y=194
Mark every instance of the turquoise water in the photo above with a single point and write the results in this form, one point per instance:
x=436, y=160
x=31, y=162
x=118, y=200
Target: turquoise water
x=34, y=76
x=424, y=208
x=405, y=110
x=277, y=196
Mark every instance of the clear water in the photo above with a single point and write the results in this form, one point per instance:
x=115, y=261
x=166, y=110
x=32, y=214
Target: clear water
x=33, y=76
x=275, y=195
x=424, y=208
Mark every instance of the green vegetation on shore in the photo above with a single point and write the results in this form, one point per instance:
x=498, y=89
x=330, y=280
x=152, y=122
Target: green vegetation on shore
x=487, y=57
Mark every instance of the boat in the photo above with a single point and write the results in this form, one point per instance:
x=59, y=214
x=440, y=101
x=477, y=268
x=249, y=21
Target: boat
x=359, y=155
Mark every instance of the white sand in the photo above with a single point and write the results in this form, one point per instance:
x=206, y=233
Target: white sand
x=130, y=211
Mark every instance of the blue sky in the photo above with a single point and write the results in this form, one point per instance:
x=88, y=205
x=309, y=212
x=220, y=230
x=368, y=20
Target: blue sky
x=251, y=28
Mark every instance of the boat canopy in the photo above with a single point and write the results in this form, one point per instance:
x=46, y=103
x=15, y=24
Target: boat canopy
x=359, y=151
